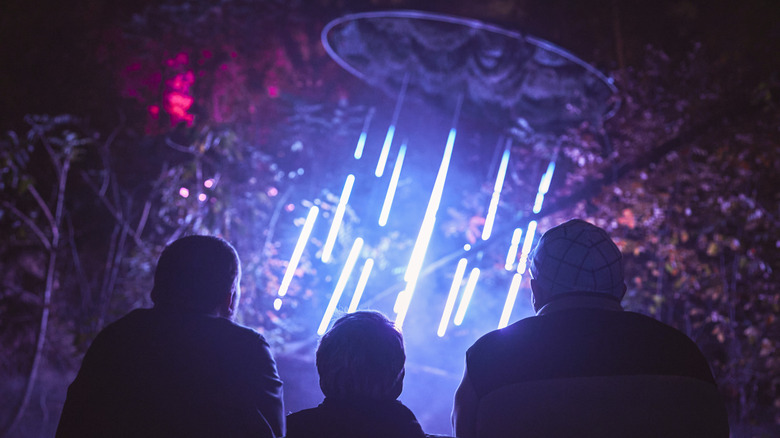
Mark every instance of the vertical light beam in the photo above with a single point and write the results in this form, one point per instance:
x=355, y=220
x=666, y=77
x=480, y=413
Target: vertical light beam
x=466, y=298
x=457, y=279
x=491, y=216
x=544, y=186
x=340, y=285
x=361, y=286
x=363, y=133
x=380, y=166
x=298, y=251
x=327, y=249
x=510, y=300
x=512, y=254
x=424, y=237
x=399, y=161
x=529, y=239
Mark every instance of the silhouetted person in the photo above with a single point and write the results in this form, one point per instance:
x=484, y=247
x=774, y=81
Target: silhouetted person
x=583, y=367
x=360, y=361
x=182, y=368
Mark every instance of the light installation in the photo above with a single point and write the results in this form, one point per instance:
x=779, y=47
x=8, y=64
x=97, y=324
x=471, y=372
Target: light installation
x=559, y=90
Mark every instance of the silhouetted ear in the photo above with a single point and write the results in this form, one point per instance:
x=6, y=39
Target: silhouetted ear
x=538, y=295
x=228, y=306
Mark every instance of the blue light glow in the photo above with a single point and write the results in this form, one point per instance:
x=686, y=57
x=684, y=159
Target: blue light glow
x=361, y=286
x=510, y=300
x=544, y=185
x=363, y=133
x=491, y=216
x=399, y=161
x=298, y=251
x=529, y=240
x=457, y=279
x=466, y=298
x=538, y=202
x=510, y=256
x=424, y=237
x=340, y=285
x=327, y=249
x=380, y=165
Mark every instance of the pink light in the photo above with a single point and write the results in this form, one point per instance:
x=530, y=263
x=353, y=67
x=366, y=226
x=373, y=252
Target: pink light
x=273, y=191
x=202, y=197
x=273, y=91
x=184, y=193
x=289, y=207
x=209, y=183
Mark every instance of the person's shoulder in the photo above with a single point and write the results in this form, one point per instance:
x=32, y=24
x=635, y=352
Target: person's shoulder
x=509, y=334
x=239, y=331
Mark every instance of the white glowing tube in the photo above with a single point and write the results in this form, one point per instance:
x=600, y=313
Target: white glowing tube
x=361, y=286
x=491, y=216
x=510, y=300
x=360, y=145
x=399, y=161
x=544, y=185
x=327, y=249
x=538, y=202
x=298, y=251
x=424, y=237
x=380, y=166
x=529, y=239
x=457, y=279
x=466, y=298
x=340, y=285
x=510, y=256
x=363, y=133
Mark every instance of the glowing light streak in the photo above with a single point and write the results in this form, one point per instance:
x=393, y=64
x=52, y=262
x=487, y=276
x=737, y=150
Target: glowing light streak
x=399, y=161
x=327, y=249
x=457, y=279
x=361, y=286
x=510, y=300
x=529, y=239
x=510, y=256
x=424, y=237
x=340, y=285
x=298, y=251
x=466, y=299
x=538, y=202
x=277, y=304
x=544, y=186
x=380, y=166
x=363, y=133
x=491, y=216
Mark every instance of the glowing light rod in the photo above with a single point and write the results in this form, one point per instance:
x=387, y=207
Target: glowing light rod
x=510, y=300
x=380, y=166
x=424, y=237
x=340, y=285
x=466, y=298
x=510, y=256
x=363, y=133
x=327, y=249
x=453, y=295
x=361, y=286
x=544, y=186
x=296, y=256
x=529, y=239
x=491, y=216
x=399, y=161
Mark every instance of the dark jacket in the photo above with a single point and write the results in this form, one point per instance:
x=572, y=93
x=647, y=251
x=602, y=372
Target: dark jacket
x=156, y=373
x=354, y=419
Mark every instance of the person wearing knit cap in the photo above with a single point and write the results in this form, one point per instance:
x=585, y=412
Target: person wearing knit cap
x=583, y=366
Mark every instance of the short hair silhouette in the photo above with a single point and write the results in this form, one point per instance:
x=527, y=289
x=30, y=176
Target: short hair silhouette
x=362, y=357
x=196, y=273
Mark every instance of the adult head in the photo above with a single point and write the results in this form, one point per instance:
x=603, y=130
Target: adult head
x=199, y=274
x=361, y=358
x=576, y=258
